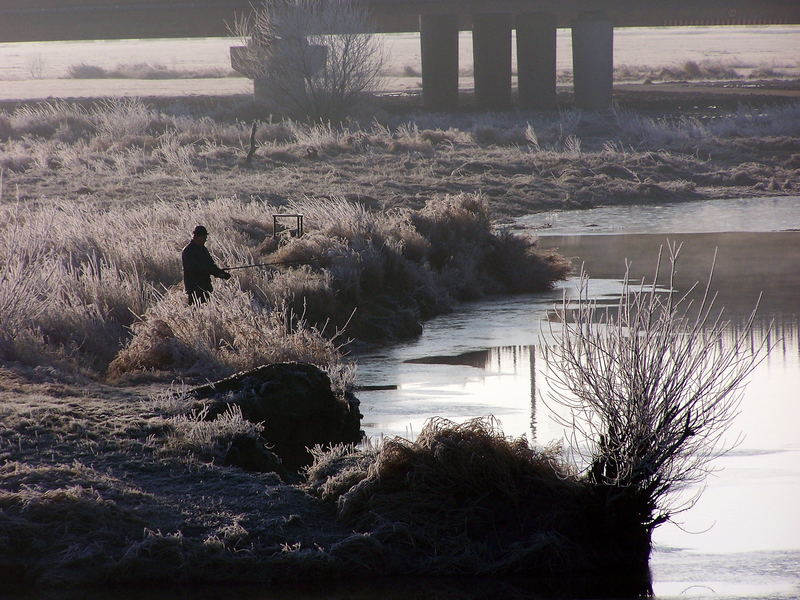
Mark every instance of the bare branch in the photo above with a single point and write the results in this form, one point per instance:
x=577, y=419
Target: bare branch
x=651, y=390
x=311, y=59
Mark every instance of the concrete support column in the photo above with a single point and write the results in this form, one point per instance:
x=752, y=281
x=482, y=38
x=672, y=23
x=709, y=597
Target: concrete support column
x=491, y=53
x=593, y=61
x=536, y=60
x=439, y=46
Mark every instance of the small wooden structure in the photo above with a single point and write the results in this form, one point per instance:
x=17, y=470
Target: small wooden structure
x=287, y=225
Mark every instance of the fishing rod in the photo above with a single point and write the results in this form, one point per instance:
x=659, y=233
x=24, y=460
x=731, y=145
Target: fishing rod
x=268, y=264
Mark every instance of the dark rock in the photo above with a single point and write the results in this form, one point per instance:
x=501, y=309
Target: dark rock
x=252, y=455
x=296, y=404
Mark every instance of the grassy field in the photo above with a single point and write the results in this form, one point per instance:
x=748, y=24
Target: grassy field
x=122, y=152
x=106, y=479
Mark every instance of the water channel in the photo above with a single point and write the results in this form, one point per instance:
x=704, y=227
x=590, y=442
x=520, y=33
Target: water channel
x=742, y=539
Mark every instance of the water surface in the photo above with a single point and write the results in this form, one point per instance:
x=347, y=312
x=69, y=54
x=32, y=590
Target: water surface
x=742, y=538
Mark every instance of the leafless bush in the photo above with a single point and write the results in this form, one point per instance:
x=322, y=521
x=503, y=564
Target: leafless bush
x=311, y=59
x=651, y=388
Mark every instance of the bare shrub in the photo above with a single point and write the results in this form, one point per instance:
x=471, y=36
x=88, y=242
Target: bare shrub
x=311, y=59
x=652, y=388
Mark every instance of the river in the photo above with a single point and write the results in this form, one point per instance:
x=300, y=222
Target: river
x=742, y=538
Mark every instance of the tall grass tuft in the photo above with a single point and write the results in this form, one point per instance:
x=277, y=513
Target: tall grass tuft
x=398, y=268
x=232, y=332
x=462, y=498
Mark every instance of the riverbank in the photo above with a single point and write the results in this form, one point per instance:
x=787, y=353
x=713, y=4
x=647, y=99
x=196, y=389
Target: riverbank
x=99, y=474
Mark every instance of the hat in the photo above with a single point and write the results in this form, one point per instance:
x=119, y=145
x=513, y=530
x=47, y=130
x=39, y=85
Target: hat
x=200, y=230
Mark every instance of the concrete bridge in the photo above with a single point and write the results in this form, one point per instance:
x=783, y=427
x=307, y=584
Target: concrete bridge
x=438, y=22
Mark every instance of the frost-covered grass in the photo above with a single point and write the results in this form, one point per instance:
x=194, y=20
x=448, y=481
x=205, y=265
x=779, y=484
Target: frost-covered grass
x=97, y=200
x=99, y=484
x=101, y=489
x=100, y=291
x=117, y=152
x=118, y=183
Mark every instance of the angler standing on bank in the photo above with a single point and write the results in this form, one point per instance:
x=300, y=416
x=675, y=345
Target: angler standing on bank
x=198, y=267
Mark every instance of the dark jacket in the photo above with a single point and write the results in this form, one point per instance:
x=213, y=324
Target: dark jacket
x=198, y=267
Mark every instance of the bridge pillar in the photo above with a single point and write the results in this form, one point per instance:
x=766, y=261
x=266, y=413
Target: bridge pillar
x=491, y=54
x=536, y=60
x=593, y=61
x=439, y=49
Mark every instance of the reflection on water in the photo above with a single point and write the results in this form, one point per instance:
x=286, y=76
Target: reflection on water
x=742, y=539
x=512, y=368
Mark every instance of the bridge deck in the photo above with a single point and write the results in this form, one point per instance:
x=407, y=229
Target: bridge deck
x=40, y=20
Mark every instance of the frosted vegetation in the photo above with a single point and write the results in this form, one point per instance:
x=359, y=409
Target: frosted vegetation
x=143, y=71
x=101, y=488
x=126, y=151
x=95, y=290
x=97, y=200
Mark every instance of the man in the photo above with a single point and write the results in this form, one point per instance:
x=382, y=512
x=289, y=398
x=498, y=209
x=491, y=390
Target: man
x=198, y=267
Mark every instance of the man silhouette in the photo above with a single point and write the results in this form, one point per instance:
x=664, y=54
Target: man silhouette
x=198, y=267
